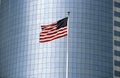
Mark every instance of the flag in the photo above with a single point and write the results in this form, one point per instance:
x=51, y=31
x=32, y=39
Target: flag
x=54, y=31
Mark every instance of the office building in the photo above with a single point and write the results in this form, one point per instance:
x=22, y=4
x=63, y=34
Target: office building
x=116, y=39
x=90, y=39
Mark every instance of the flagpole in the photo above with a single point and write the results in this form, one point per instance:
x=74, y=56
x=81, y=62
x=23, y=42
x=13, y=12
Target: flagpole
x=67, y=52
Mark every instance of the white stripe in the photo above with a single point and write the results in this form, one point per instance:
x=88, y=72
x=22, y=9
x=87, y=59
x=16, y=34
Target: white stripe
x=116, y=28
x=117, y=58
x=117, y=9
x=117, y=68
x=117, y=38
x=56, y=30
x=53, y=31
x=49, y=27
x=117, y=1
x=117, y=19
x=53, y=37
x=45, y=36
x=116, y=77
x=116, y=48
x=46, y=29
x=53, y=34
x=113, y=38
x=59, y=29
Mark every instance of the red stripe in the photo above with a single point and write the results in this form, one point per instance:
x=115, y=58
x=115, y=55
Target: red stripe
x=53, y=31
x=50, y=25
x=50, y=32
x=48, y=28
x=45, y=34
x=53, y=38
x=50, y=36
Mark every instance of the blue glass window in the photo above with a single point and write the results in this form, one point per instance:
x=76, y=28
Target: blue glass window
x=117, y=73
x=117, y=53
x=117, y=43
x=117, y=4
x=90, y=39
x=117, y=14
x=117, y=23
x=117, y=63
x=116, y=33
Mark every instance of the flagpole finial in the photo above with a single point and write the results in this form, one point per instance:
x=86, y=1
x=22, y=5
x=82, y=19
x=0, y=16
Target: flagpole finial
x=68, y=12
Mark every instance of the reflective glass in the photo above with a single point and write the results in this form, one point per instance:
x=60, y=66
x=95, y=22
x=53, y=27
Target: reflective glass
x=90, y=39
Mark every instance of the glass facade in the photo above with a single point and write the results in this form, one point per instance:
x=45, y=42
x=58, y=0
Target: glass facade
x=116, y=20
x=90, y=39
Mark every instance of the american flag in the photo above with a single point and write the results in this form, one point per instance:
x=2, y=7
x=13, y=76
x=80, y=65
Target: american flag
x=54, y=31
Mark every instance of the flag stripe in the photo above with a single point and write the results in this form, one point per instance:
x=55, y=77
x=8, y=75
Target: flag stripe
x=56, y=31
x=49, y=36
x=53, y=34
x=49, y=27
x=53, y=38
x=53, y=31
